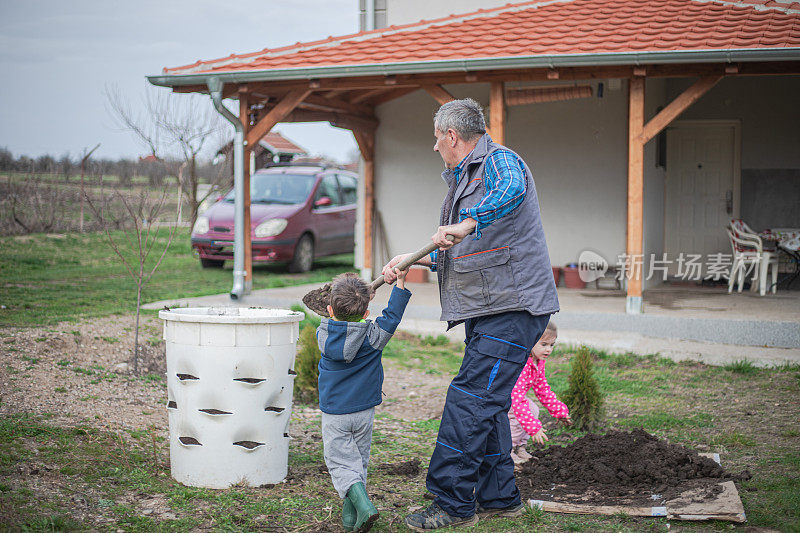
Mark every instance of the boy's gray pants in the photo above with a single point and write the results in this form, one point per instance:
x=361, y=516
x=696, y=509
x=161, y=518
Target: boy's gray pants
x=346, y=440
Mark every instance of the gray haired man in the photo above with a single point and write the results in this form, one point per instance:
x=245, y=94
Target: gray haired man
x=495, y=276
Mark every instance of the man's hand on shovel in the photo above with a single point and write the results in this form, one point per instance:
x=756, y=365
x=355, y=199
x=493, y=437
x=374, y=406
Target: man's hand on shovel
x=444, y=238
x=457, y=232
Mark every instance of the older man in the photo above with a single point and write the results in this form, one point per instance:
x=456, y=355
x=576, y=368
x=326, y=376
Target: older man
x=495, y=276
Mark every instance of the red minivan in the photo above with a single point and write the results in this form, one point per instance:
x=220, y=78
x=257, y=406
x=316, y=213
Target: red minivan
x=297, y=213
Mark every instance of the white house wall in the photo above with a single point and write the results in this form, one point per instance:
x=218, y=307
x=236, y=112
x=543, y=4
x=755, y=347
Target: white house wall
x=655, y=93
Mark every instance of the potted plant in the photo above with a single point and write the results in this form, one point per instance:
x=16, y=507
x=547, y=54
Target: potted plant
x=572, y=278
x=556, y=274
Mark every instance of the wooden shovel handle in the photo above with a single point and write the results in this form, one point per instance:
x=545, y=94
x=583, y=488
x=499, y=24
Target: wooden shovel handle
x=410, y=260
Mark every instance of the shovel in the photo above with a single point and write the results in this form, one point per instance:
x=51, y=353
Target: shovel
x=319, y=299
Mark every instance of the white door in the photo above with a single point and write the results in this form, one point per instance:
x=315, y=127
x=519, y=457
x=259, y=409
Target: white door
x=701, y=189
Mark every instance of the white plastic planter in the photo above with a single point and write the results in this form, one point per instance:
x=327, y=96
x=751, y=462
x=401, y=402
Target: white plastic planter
x=230, y=377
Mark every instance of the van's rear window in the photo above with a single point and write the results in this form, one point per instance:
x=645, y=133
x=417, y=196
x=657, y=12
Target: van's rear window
x=278, y=188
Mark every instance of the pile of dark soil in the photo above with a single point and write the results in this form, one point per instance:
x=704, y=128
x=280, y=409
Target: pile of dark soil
x=618, y=468
x=319, y=299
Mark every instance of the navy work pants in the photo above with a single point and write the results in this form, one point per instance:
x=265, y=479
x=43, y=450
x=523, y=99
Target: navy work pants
x=472, y=458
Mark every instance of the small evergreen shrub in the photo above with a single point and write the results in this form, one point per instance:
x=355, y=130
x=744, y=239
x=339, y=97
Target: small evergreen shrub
x=305, y=364
x=583, y=396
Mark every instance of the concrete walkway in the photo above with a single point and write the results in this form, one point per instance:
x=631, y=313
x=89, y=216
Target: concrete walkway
x=695, y=323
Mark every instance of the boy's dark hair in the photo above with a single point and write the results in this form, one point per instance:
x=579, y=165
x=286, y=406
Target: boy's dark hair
x=349, y=297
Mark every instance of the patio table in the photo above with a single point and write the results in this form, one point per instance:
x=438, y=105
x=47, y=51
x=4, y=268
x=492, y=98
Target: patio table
x=788, y=241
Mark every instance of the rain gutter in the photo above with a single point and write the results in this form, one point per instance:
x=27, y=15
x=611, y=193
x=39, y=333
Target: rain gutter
x=215, y=85
x=468, y=65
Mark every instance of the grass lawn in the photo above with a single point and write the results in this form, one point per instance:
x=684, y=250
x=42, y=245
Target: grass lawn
x=62, y=469
x=54, y=477
x=47, y=279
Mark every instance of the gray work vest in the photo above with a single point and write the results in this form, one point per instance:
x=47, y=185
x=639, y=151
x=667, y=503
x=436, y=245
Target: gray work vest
x=508, y=268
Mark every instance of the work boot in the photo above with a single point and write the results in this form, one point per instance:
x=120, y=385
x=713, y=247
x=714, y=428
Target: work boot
x=348, y=515
x=366, y=513
x=507, y=512
x=434, y=517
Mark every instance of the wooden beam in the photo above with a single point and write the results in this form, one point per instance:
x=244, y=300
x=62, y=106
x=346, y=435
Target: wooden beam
x=635, y=194
x=366, y=144
x=244, y=117
x=337, y=105
x=391, y=95
x=336, y=93
x=540, y=74
x=284, y=107
x=362, y=96
x=497, y=112
x=678, y=106
x=439, y=93
x=549, y=93
x=340, y=120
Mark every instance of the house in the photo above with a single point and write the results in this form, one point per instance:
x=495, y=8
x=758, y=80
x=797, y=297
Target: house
x=648, y=124
x=271, y=148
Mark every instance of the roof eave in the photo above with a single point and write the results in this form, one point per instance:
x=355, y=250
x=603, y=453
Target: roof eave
x=466, y=65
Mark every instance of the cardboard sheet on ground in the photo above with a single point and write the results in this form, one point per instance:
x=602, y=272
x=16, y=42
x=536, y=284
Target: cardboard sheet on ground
x=725, y=506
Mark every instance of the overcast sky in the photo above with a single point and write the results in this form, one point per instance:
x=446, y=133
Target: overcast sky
x=57, y=57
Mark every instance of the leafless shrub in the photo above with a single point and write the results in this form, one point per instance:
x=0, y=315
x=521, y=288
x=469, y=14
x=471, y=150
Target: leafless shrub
x=34, y=206
x=137, y=246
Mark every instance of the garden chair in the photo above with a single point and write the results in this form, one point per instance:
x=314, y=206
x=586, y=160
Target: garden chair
x=769, y=255
x=741, y=229
x=748, y=252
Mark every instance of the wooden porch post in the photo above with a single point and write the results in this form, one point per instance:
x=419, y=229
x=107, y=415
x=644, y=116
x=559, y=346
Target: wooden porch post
x=633, y=302
x=244, y=117
x=497, y=112
x=366, y=144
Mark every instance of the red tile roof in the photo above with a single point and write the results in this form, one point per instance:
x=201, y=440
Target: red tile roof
x=543, y=28
x=277, y=143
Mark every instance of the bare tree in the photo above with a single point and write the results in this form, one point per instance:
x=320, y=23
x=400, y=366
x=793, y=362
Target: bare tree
x=180, y=127
x=138, y=237
x=37, y=206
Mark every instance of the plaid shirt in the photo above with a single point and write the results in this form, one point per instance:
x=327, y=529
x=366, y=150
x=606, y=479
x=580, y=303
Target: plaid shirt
x=504, y=181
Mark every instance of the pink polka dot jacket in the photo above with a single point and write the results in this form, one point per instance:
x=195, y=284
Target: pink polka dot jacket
x=532, y=377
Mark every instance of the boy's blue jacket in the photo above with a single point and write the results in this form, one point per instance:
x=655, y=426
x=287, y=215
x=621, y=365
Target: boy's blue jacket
x=350, y=370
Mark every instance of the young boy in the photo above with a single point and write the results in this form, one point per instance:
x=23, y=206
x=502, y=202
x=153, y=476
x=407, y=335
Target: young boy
x=350, y=380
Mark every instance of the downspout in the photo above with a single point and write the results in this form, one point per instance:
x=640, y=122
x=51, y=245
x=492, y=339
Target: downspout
x=215, y=88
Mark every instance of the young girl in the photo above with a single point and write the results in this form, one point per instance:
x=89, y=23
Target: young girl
x=524, y=414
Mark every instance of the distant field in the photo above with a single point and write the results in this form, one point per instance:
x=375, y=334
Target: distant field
x=45, y=279
x=75, y=178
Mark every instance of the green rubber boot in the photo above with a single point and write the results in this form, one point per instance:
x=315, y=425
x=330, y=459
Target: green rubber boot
x=348, y=515
x=366, y=513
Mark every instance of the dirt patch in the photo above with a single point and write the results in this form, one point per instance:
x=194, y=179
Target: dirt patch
x=82, y=373
x=403, y=468
x=619, y=468
x=412, y=395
